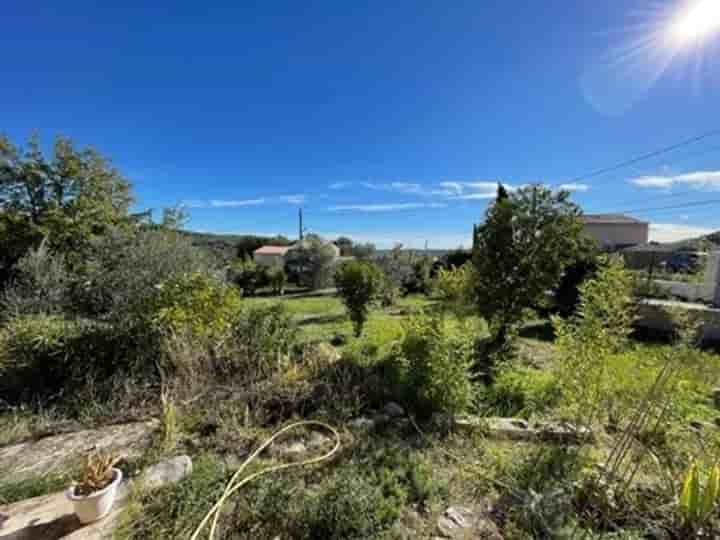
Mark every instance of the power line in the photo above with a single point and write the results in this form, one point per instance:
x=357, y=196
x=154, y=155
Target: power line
x=672, y=207
x=637, y=159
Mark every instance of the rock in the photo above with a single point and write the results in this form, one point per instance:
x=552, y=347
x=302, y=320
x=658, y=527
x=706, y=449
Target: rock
x=393, y=410
x=518, y=429
x=51, y=517
x=459, y=522
x=287, y=450
x=48, y=454
x=167, y=472
x=362, y=423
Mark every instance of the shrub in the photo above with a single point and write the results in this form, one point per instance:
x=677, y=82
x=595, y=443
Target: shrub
x=41, y=285
x=34, y=354
x=125, y=268
x=433, y=367
x=352, y=506
x=196, y=303
x=521, y=391
x=42, y=355
x=358, y=284
x=261, y=339
x=277, y=279
x=455, y=285
x=248, y=276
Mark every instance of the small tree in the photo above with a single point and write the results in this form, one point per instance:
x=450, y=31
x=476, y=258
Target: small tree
x=363, y=251
x=528, y=238
x=358, y=284
x=277, y=278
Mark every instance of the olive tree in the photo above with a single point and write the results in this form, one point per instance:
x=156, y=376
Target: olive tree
x=358, y=284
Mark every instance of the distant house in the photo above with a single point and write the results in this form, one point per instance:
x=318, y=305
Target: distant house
x=615, y=231
x=270, y=255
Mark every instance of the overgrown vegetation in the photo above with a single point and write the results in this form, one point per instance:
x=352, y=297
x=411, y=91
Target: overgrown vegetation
x=118, y=318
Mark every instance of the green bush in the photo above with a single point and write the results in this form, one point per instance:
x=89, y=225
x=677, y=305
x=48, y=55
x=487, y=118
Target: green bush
x=521, y=392
x=454, y=286
x=41, y=285
x=248, y=276
x=125, y=268
x=433, y=366
x=277, y=279
x=260, y=342
x=358, y=284
x=44, y=355
x=197, y=304
x=352, y=505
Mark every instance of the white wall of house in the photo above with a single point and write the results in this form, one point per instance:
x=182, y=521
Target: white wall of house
x=610, y=235
x=267, y=259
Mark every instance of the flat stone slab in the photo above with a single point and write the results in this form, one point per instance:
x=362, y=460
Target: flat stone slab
x=521, y=430
x=51, y=517
x=45, y=455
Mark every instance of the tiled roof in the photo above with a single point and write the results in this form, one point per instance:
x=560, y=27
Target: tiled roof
x=272, y=250
x=610, y=218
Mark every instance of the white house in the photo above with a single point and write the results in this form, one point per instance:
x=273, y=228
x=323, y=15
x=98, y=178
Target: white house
x=614, y=231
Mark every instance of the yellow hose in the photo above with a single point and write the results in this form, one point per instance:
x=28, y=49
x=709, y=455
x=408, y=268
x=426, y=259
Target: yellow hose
x=233, y=485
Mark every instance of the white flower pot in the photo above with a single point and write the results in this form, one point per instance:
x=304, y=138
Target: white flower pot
x=97, y=505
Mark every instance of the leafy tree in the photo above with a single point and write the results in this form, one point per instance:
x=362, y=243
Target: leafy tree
x=364, y=251
x=248, y=275
x=346, y=246
x=358, y=284
x=70, y=197
x=528, y=238
x=454, y=286
x=311, y=262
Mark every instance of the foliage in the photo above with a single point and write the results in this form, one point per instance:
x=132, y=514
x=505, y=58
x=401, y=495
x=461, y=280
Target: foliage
x=34, y=354
x=528, y=238
x=567, y=294
x=432, y=366
x=311, y=262
x=697, y=502
x=522, y=392
x=70, y=198
x=586, y=340
x=456, y=258
x=97, y=472
x=197, y=304
x=406, y=270
x=454, y=286
x=358, y=284
x=364, y=251
x=248, y=275
x=124, y=269
x=41, y=285
x=277, y=279
x=346, y=246
x=260, y=341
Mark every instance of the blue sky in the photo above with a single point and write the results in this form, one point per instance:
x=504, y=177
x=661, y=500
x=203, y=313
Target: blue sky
x=387, y=121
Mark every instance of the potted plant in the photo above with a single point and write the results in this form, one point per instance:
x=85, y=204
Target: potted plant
x=94, y=494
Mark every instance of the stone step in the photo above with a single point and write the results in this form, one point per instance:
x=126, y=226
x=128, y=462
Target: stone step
x=51, y=517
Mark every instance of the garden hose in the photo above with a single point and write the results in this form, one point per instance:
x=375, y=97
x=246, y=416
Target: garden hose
x=235, y=484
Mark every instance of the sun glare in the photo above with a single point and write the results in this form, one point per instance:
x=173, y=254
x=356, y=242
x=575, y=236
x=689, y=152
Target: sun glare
x=697, y=21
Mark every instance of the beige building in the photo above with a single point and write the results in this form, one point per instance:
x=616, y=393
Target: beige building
x=614, y=231
x=271, y=255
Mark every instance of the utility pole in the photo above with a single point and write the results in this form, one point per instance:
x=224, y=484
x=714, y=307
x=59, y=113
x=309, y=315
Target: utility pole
x=300, y=229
